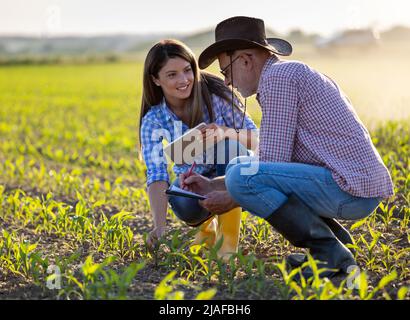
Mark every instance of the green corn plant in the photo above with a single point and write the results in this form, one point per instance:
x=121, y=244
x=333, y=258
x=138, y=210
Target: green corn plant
x=112, y=233
x=81, y=224
x=370, y=258
x=2, y=188
x=196, y=265
x=20, y=167
x=167, y=289
x=247, y=263
x=221, y=270
x=365, y=293
x=97, y=281
x=20, y=257
x=404, y=222
x=289, y=285
x=254, y=270
x=260, y=231
x=6, y=247
x=206, y=295
x=49, y=218
x=63, y=222
x=403, y=292
x=386, y=214
x=175, y=246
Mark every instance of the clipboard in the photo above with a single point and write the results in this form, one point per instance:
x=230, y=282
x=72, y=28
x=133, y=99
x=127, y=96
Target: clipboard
x=175, y=150
x=175, y=191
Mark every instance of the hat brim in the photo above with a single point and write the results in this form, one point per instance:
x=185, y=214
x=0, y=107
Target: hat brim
x=275, y=45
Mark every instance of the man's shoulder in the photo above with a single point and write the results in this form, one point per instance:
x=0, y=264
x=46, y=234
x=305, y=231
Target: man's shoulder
x=287, y=72
x=287, y=68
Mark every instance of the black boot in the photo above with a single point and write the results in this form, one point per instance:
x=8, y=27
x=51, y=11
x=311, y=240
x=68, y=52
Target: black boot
x=301, y=227
x=297, y=259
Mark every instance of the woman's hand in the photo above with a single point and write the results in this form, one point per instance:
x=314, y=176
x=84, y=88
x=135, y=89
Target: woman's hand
x=195, y=183
x=212, y=133
x=154, y=236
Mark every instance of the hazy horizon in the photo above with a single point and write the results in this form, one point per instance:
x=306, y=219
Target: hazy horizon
x=61, y=18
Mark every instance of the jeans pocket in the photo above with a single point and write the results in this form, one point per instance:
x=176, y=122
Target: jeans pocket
x=357, y=208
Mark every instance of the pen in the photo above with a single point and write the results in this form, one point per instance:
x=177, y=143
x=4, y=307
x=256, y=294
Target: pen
x=191, y=169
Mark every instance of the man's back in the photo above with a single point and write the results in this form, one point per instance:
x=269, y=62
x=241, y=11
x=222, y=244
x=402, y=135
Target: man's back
x=306, y=118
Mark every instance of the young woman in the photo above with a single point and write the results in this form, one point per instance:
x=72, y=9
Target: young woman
x=176, y=97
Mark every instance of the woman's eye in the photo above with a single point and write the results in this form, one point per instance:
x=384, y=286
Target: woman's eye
x=171, y=75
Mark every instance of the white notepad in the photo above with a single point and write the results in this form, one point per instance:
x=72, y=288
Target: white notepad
x=186, y=148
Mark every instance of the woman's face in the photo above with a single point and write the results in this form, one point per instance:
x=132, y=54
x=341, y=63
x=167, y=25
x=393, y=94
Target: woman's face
x=176, y=78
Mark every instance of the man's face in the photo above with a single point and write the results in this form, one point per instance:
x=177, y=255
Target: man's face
x=236, y=72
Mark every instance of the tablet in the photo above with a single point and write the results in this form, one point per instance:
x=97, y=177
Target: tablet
x=187, y=147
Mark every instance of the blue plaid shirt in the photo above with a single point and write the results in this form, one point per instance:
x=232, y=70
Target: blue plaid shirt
x=159, y=123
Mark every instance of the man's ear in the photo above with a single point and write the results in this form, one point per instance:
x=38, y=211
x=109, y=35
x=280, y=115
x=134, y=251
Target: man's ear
x=247, y=60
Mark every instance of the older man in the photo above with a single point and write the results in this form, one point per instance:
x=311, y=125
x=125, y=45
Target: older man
x=316, y=159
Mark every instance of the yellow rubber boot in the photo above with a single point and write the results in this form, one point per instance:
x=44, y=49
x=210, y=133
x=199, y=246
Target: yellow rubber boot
x=207, y=232
x=229, y=227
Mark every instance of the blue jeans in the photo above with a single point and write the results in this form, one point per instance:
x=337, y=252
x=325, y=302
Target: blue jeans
x=263, y=192
x=188, y=209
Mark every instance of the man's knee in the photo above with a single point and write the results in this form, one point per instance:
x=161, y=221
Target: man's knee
x=249, y=164
x=234, y=181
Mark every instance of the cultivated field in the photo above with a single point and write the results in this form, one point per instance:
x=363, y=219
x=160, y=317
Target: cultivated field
x=74, y=212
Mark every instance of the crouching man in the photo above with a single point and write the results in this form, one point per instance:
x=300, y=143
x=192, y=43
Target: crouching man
x=316, y=161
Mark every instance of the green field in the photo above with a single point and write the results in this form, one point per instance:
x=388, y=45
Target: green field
x=73, y=199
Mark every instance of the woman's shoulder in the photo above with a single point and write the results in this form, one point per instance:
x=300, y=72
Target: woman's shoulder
x=217, y=99
x=218, y=103
x=153, y=115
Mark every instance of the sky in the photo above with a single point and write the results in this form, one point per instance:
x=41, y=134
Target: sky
x=97, y=17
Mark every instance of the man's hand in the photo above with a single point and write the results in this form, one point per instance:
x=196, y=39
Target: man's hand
x=195, y=183
x=218, y=202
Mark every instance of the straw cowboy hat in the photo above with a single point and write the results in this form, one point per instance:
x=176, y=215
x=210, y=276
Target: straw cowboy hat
x=242, y=33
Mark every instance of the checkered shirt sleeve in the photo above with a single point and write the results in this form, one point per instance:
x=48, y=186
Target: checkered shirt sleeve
x=152, y=135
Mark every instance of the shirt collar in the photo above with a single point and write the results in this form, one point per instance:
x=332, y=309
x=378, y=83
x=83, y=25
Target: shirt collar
x=166, y=111
x=268, y=63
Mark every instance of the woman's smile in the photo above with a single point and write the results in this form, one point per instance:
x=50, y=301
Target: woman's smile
x=184, y=87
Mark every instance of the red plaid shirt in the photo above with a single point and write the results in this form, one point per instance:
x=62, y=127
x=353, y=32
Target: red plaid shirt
x=306, y=118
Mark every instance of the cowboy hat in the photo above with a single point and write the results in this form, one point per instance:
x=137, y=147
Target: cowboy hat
x=242, y=33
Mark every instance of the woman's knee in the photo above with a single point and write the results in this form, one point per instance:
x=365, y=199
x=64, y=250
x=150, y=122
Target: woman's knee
x=228, y=149
x=188, y=210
